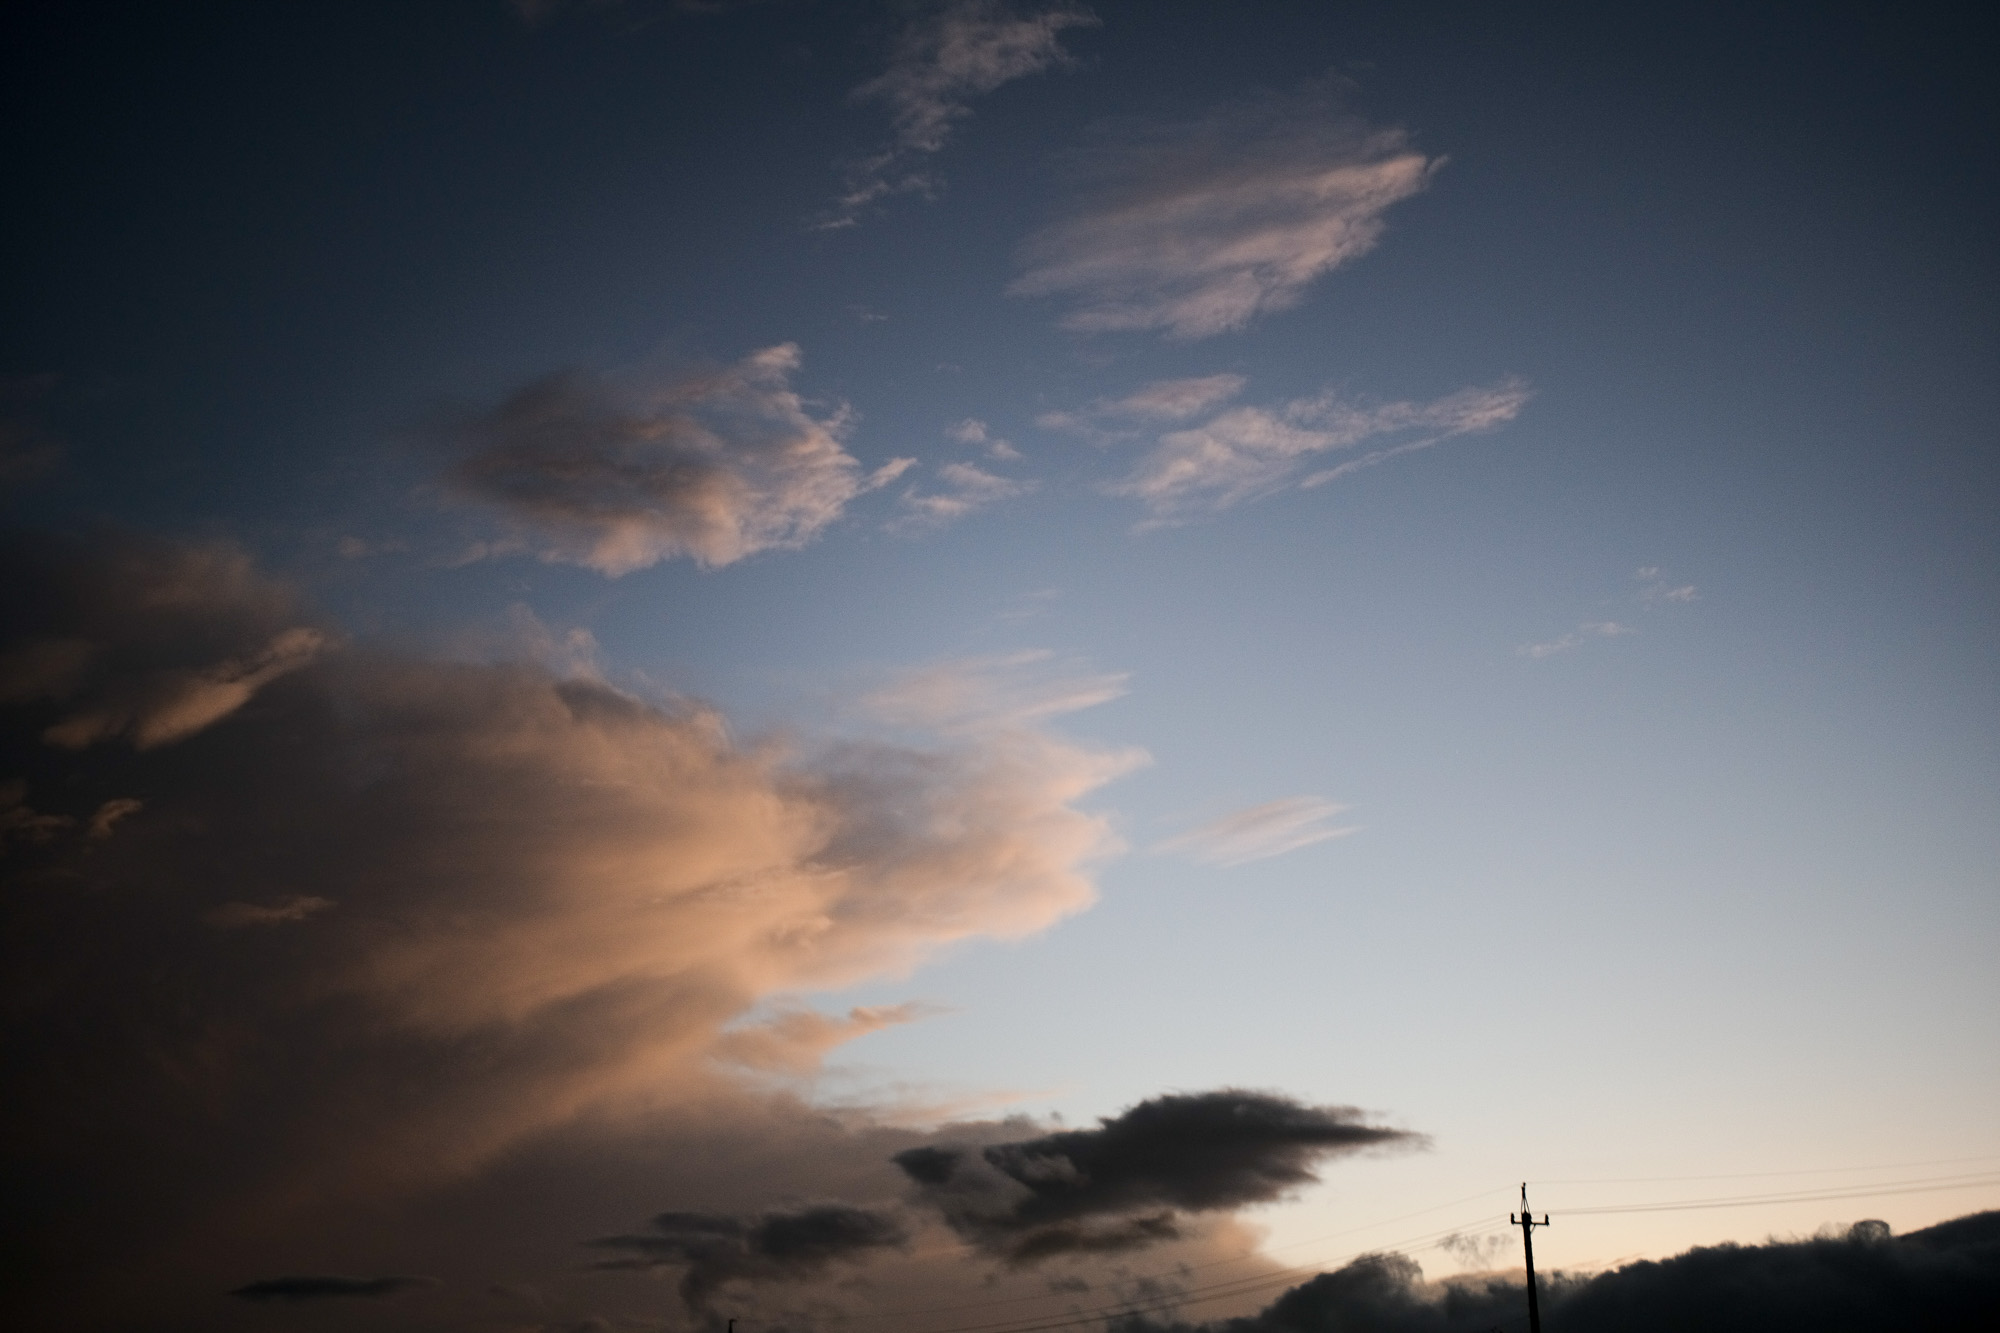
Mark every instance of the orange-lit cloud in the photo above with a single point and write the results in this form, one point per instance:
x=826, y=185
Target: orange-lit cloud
x=464, y=906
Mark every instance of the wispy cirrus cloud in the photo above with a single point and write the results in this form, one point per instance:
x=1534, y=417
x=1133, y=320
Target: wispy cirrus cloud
x=620, y=474
x=1654, y=592
x=1196, y=228
x=960, y=489
x=975, y=432
x=1576, y=638
x=941, y=62
x=1110, y=420
x=1245, y=453
x=1655, y=587
x=1261, y=831
x=1002, y=691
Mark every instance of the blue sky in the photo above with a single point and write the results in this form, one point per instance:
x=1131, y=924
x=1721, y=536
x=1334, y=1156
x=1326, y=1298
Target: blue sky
x=1437, y=559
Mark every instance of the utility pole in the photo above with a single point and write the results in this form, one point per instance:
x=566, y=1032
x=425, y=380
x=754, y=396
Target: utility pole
x=1526, y=1221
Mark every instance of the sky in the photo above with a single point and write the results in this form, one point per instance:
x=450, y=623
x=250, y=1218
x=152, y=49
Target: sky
x=958, y=662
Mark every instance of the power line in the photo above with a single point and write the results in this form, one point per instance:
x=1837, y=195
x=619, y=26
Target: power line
x=1807, y=1196
x=1755, y=1175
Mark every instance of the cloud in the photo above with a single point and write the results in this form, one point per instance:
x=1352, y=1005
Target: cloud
x=1246, y=453
x=231, y=916
x=111, y=813
x=1110, y=420
x=563, y=911
x=1576, y=638
x=941, y=62
x=1197, y=228
x=999, y=693
x=963, y=488
x=975, y=432
x=1261, y=831
x=795, y=1039
x=161, y=647
x=22, y=823
x=1944, y=1278
x=1654, y=588
x=321, y=1288
x=1125, y=1184
x=620, y=475
x=717, y=1250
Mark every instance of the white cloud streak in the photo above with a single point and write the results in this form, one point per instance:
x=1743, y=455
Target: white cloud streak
x=619, y=476
x=1261, y=831
x=975, y=432
x=984, y=694
x=1654, y=588
x=1576, y=638
x=941, y=62
x=1245, y=453
x=962, y=488
x=1196, y=229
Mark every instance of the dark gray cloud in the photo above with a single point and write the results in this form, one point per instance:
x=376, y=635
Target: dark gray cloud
x=1122, y=1185
x=1945, y=1279
x=127, y=638
x=321, y=1288
x=716, y=1250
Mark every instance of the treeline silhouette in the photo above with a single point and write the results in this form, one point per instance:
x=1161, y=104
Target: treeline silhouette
x=1942, y=1279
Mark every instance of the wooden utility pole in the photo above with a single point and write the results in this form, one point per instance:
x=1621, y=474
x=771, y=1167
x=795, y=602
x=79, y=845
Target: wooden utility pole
x=1526, y=1221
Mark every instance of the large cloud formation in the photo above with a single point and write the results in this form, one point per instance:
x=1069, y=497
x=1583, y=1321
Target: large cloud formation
x=1196, y=229
x=1122, y=1185
x=365, y=925
x=1944, y=1279
x=622, y=474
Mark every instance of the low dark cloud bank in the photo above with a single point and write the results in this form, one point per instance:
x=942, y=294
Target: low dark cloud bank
x=1123, y=1185
x=775, y=1247
x=1944, y=1279
x=322, y=1288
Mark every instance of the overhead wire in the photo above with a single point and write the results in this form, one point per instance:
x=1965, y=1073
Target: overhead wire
x=1881, y=1189
x=1754, y=1175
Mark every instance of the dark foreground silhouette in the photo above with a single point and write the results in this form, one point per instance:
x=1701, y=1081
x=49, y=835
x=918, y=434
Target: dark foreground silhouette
x=1943, y=1278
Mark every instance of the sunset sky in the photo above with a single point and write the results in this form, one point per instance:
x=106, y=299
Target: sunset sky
x=645, y=647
